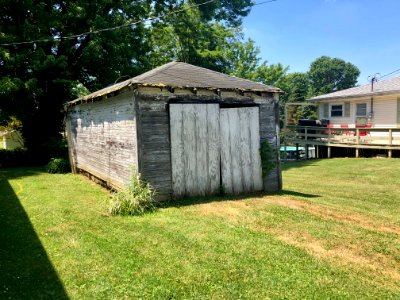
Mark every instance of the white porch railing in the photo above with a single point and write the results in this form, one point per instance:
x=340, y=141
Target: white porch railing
x=358, y=138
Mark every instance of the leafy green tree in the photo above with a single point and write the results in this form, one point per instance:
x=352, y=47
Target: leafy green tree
x=186, y=37
x=244, y=61
x=271, y=74
x=328, y=75
x=37, y=78
x=243, y=57
x=296, y=87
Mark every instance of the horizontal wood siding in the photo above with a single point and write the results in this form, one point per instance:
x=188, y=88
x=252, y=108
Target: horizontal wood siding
x=384, y=107
x=103, y=138
x=385, y=115
x=385, y=112
x=107, y=138
x=154, y=142
x=269, y=131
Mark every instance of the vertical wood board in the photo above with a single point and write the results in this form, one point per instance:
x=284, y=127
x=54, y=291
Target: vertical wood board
x=194, y=149
x=226, y=165
x=213, y=150
x=255, y=148
x=177, y=162
x=240, y=146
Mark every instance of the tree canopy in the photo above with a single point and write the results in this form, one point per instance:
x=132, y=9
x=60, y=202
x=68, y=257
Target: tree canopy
x=325, y=75
x=72, y=53
x=329, y=75
x=54, y=51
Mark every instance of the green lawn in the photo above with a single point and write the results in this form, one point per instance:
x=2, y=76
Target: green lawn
x=334, y=232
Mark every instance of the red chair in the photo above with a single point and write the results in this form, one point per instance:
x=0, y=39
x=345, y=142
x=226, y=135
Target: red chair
x=345, y=126
x=364, y=133
x=329, y=126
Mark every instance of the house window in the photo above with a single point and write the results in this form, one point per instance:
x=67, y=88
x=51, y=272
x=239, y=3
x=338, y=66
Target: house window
x=361, y=109
x=336, y=110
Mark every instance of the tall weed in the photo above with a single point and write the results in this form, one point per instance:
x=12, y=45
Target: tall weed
x=136, y=199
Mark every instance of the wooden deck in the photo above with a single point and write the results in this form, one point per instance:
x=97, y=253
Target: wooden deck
x=358, y=138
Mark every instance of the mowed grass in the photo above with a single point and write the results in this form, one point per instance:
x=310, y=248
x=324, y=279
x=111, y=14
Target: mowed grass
x=334, y=232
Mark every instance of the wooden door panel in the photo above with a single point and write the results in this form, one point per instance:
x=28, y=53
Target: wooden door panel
x=195, y=154
x=240, y=150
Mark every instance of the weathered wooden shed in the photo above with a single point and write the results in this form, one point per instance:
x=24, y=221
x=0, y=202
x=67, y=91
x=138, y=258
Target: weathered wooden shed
x=187, y=130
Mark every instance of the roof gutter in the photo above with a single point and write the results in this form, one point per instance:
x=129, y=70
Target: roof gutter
x=355, y=96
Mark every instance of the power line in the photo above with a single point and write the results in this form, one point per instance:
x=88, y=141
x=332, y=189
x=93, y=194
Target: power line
x=118, y=27
x=107, y=29
x=264, y=2
x=391, y=73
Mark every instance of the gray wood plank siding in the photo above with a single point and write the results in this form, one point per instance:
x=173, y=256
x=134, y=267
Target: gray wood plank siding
x=106, y=138
x=154, y=154
x=269, y=130
x=103, y=138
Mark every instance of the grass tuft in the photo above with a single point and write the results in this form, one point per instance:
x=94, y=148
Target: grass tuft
x=136, y=199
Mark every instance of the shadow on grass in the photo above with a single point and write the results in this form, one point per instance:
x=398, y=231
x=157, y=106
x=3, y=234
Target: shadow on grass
x=25, y=269
x=187, y=201
x=299, y=164
x=297, y=194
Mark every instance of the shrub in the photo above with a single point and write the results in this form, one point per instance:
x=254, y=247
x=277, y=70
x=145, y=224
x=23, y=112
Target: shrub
x=136, y=199
x=58, y=165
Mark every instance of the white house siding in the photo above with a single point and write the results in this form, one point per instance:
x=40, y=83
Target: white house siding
x=103, y=138
x=339, y=120
x=385, y=109
x=385, y=113
x=385, y=116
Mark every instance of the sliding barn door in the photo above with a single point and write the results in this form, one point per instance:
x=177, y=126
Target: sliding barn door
x=195, y=149
x=240, y=150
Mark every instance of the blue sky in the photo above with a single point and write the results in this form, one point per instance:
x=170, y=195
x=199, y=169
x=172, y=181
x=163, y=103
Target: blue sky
x=296, y=32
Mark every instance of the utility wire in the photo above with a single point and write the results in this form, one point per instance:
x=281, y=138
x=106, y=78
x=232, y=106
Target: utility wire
x=117, y=27
x=391, y=73
x=109, y=28
x=264, y=2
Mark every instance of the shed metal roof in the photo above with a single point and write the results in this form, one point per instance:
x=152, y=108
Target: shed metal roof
x=388, y=86
x=183, y=75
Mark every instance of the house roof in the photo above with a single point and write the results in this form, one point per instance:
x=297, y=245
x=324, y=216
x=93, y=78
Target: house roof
x=388, y=86
x=183, y=75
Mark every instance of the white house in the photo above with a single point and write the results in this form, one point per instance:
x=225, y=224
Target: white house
x=379, y=107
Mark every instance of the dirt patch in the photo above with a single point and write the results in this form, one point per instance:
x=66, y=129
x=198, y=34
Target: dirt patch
x=230, y=210
x=343, y=255
x=346, y=253
x=328, y=213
